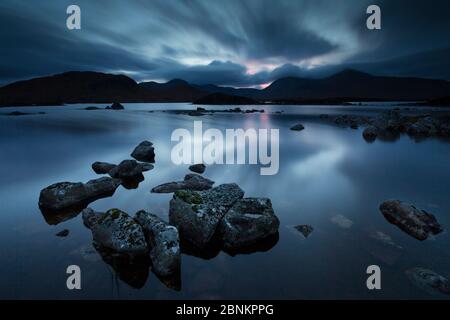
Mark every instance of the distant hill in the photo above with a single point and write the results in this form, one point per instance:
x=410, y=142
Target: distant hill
x=356, y=85
x=219, y=98
x=96, y=87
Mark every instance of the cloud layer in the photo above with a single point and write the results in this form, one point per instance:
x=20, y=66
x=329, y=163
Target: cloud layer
x=233, y=42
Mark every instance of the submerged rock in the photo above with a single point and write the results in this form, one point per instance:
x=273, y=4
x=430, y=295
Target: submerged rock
x=102, y=167
x=144, y=152
x=198, y=168
x=298, y=127
x=342, y=221
x=65, y=195
x=191, y=181
x=197, y=214
x=370, y=133
x=429, y=281
x=115, y=230
x=63, y=233
x=248, y=222
x=90, y=108
x=304, y=229
x=163, y=241
x=415, y=222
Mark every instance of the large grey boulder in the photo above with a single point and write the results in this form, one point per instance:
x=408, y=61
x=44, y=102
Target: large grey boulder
x=102, y=167
x=163, y=241
x=191, y=181
x=197, y=214
x=429, y=281
x=115, y=230
x=65, y=195
x=248, y=222
x=415, y=222
x=144, y=152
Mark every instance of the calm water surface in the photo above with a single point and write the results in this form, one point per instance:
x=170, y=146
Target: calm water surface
x=329, y=178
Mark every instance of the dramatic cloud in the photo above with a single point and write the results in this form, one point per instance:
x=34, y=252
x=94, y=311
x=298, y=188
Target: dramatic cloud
x=233, y=42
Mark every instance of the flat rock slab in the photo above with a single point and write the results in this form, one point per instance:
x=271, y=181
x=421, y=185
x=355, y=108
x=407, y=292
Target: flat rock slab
x=298, y=127
x=102, y=167
x=197, y=214
x=415, y=222
x=193, y=182
x=248, y=222
x=64, y=195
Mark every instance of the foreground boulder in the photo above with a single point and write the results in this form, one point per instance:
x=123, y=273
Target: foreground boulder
x=415, y=222
x=198, y=168
x=197, y=214
x=248, y=222
x=163, y=241
x=370, y=133
x=429, y=281
x=115, y=230
x=66, y=195
x=191, y=181
x=144, y=152
x=102, y=167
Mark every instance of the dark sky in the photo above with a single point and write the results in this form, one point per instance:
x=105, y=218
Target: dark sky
x=225, y=42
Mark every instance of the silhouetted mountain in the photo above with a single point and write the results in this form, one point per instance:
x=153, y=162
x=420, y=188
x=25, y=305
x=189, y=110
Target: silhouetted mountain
x=96, y=87
x=356, y=85
x=223, y=98
x=173, y=91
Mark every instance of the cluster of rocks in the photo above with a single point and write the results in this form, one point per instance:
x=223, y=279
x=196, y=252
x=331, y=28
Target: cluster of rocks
x=202, y=111
x=429, y=281
x=114, y=106
x=415, y=222
x=60, y=200
x=388, y=125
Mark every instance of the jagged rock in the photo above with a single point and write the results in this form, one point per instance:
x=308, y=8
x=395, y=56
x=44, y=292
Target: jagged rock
x=415, y=222
x=198, y=168
x=197, y=214
x=298, y=127
x=63, y=233
x=191, y=181
x=248, y=222
x=370, y=133
x=429, y=281
x=304, y=229
x=424, y=126
x=163, y=241
x=64, y=195
x=102, y=167
x=144, y=152
x=129, y=169
x=115, y=230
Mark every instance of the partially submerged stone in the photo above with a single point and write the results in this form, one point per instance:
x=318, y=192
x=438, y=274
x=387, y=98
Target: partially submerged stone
x=129, y=169
x=198, y=168
x=304, y=229
x=191, y=181
x=144, y=152
x=163, y=241
x=115, y=230
x=415, y=222
x=370, y=133
x=429, y=281
x=298, y=127
x=66, y=195
x=197, y=214
x=248, y=222
x=63, y=233
x=102, y=167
